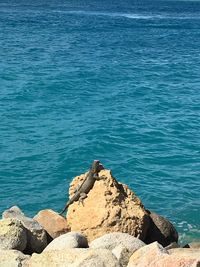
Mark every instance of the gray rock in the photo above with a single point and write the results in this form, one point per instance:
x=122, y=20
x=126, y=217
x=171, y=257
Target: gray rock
x=122, y=254
x=74, y=257
x=68, y=240
x=112, y=240
x=36, y=235
x=13, y=234
x=13, y=258
x=160, y=230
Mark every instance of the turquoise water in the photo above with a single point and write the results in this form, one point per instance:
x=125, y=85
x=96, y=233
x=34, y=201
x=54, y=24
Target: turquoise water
x=117, y=81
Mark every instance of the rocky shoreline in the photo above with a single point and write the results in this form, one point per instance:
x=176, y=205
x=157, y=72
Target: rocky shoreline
x=111, y=227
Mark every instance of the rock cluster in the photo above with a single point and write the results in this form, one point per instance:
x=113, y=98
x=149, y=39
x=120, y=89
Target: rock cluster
x=110, y=228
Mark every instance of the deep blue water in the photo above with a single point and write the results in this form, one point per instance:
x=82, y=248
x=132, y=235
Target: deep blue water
x=117, y=81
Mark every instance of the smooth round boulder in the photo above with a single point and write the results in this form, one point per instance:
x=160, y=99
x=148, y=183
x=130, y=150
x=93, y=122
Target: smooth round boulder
x=74, y=257
x=68, y=240
x=112, y=240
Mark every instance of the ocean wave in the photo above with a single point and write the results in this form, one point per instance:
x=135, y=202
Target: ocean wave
x=138, y=16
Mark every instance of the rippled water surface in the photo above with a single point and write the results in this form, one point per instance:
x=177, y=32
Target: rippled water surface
x=117, y=81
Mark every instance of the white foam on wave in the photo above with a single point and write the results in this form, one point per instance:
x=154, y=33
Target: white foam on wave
x=135, y=16
x=111, y=14
x=188, y=232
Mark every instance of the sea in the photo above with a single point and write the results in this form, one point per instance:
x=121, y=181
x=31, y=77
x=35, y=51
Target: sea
x=113, y=80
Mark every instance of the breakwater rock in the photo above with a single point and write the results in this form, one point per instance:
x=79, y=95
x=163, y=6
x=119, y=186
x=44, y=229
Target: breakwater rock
x=37, y=237
x=108, y=227
x=109, y=207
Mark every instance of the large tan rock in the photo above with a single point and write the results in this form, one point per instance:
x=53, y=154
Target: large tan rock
x=13, y=235
x=109, y=207
x=52, y=222
x=77, y=257
x=13, y=258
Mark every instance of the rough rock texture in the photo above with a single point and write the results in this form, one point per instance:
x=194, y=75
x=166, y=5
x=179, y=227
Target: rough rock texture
x=13, y=235
x=69, y=240
x=76, y=257
x=144, y=256
x=160, y=230
x=36, y=235
x=52, y=222
x=13, y=258
x=109, y=207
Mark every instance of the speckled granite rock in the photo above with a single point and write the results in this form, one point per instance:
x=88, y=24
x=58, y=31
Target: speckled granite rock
x=13, y=234
x=36, y=235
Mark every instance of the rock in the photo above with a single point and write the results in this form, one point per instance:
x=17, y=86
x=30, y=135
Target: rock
x=109, y=207
x=112, y=240
x=196, y=264
x=69, y=240
x=36, y=235
x=174, y=261
x=13, y=235
x=122, y=245
x=160, y=230
x=76, y=257
x=193, y=253
x=13, y=258
x=172, y=245
x=144, y=256
x=154, y=255
x=192, y=245
x=122, y=254
x=52, y=222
